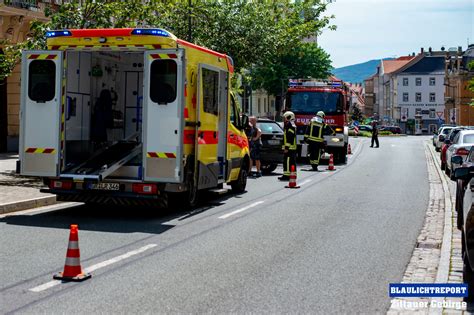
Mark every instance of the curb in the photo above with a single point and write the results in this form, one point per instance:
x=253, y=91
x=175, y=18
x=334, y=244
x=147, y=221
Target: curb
x=27, y=204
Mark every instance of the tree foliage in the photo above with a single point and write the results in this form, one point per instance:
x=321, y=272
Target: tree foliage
x=257, y=34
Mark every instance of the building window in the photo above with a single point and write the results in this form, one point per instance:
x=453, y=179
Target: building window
x=258, y=106
x=432, y=97
x=418, y=111
x=432, y=81
x=418, y=97
x=405, y=97
x=405, y=81
x=418, y=81
x=432, y=113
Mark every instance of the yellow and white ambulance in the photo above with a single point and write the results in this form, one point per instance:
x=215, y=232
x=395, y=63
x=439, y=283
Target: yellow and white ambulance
x=128, y=116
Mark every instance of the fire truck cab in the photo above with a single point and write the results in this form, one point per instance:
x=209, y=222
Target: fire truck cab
x=130, y=116
x=305, y=97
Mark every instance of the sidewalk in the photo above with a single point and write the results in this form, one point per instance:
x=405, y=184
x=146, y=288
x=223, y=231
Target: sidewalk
x=17, y=192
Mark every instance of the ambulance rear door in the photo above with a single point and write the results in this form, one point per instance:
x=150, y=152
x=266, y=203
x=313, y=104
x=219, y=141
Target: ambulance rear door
x=163, y=111
x=42, y=113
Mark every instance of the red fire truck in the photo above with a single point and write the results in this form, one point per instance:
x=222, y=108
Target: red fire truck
x=305, y=97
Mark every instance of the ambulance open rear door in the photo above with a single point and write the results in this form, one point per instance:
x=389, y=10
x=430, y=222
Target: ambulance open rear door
x=41, y=113
x=163, y=111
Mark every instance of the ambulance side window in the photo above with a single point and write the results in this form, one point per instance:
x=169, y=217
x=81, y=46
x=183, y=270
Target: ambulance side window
x=210, y=89
x=163, y=81
x=41, y=80
x=234, y=118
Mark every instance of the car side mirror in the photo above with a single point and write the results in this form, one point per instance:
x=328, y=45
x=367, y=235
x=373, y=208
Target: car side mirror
x=457, y=159
x=447, y=141
x=462, y=172
x=245, y=121
x=441, y=138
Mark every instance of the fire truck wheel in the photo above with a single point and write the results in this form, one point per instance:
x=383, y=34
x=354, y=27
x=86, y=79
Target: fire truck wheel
x=239, y=184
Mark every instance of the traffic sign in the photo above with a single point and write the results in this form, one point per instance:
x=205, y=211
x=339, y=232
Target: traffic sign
x=440, y=114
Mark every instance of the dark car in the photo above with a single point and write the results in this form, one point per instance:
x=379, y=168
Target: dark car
x=464, y=205
x=271, y=153
x=392, y=129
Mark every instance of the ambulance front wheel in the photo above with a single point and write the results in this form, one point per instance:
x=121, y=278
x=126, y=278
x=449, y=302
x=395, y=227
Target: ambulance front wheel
x=238, y=185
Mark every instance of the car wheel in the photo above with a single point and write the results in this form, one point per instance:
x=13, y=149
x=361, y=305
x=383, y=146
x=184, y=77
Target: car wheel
x=437, y=149
x=268, y=168
x=240, y=183
x=443, y=166
x=468, y=277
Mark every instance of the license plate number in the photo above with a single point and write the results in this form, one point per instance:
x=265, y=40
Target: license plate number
x=274, y=142
x=105, y=186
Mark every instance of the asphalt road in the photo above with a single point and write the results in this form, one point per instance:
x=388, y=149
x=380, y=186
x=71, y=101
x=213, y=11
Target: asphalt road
x=332, y=246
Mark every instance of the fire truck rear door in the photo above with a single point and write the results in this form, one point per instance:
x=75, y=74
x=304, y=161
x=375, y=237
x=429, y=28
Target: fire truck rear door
x=41, y=113
x=163, y=121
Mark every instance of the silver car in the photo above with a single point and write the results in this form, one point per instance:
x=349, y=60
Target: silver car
x=461, y=145
x=440, y=137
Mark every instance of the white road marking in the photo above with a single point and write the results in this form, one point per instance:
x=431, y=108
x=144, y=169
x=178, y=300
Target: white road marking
x=305, y=182
x=53, y=283
x=225, y=216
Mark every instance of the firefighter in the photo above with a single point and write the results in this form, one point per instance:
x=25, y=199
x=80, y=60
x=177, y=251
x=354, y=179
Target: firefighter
x=314, y=137
x=289, y=146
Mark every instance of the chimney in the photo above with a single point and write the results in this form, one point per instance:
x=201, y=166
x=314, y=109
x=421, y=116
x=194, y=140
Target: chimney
x=422, y=50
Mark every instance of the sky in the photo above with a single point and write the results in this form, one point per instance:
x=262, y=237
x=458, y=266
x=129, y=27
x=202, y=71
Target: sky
x=375, y=29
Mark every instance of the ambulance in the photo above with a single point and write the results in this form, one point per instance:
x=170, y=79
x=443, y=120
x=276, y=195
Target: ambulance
x=130, y=116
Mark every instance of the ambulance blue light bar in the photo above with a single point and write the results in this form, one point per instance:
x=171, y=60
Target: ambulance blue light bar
x=150, y=31
x=50, y=34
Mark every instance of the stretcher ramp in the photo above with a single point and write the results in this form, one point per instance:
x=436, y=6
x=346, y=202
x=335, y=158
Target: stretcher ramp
x=105, y=162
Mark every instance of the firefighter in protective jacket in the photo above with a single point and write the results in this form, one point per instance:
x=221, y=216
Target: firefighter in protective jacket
x=314, y=137
x=289, y=147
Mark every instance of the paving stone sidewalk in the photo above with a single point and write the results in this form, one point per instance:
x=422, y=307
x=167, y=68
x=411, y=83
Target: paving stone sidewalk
x=437, y=254
x=18, y=192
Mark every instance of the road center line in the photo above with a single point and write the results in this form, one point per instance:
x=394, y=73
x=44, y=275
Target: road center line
x=53, y=283
x=225, y=216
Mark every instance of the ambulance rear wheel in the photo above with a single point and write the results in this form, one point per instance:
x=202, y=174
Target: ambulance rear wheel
x=240, y=183
x=193, y=195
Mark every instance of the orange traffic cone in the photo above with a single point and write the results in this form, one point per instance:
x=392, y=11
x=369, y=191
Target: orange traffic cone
x=72, y=267
x=331, y=163
x=292, y=182
x=349, y=151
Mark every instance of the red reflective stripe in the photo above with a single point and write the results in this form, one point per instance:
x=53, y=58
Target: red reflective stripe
x=186, y=113
x=72, y=252
x=207, y=137
x=153, y=154
x=30, y=150
x=101, y=32
x=51, y=56
x=33, y=56
x=155, y=56
x=189, y=136
x=55, y=47
x=48, y=150
x=237, y=140
x=157, y=46
x=173, y=56
x=185, y=43
x=170, y=155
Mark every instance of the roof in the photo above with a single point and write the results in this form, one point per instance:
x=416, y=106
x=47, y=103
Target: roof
x=427, y=65
x=390, y=66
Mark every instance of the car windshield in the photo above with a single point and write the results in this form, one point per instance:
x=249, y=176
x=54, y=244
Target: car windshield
x=313, y=102
x=269, y=127
x=469, y=138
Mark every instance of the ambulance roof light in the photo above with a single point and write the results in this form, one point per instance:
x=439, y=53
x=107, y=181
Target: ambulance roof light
x=50, y=34
x=150, y=31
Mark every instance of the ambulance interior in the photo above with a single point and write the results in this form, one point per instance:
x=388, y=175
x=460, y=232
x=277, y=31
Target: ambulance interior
x=103, y=125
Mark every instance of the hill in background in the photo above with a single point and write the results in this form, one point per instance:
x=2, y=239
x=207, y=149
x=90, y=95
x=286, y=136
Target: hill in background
x=359, y=72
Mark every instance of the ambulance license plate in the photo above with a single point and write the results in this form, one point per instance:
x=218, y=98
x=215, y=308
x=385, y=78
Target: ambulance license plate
x=105, y=186
x=274, y=142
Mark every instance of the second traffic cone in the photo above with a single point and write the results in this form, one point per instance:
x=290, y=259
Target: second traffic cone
x=331, y=163
x=72, y=267
x=349, y=151
x=292, y=182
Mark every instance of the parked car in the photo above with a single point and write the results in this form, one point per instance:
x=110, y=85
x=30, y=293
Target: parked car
x=439, y=140
x=466, y=225
x=392, y=129
x=447, y=143
x=365, y=128
x=461, y=145
x=271, y=153
x=461, y=184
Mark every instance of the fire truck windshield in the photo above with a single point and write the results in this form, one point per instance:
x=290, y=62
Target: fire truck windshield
x=312, y=102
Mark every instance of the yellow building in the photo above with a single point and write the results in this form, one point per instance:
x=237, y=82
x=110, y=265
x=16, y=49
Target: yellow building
x=15, y=18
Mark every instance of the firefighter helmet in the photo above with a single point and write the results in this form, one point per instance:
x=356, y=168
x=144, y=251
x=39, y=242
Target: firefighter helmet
x=289, y=115
x=320, y=114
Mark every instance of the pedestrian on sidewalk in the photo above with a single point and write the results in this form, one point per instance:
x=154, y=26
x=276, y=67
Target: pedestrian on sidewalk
x=255, y=146
x=375, y=134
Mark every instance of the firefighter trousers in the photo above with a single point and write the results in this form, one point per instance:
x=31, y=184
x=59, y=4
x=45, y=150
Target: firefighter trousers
x=315, y=149
x=289, y=159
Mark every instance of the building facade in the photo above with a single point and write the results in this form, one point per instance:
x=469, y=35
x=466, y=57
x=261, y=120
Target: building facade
x=369, y=97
